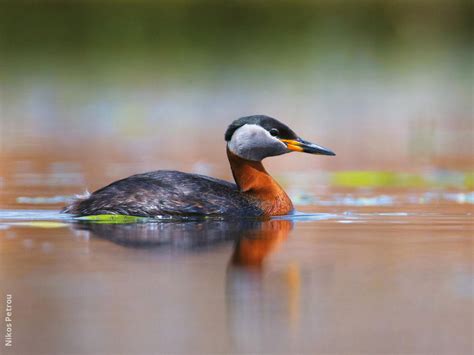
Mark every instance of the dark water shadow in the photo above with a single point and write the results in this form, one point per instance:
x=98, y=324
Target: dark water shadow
x=253, y=239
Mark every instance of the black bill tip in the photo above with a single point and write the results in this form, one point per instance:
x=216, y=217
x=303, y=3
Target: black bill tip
x=312, y=148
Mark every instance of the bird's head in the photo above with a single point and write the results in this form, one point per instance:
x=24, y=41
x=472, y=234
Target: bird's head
x=258, y=137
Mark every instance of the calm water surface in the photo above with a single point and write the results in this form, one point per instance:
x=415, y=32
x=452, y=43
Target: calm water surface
x=372, y=272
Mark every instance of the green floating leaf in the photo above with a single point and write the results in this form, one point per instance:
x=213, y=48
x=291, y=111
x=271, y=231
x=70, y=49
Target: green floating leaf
x=364, y=178
x=436, y=179
x=40, y=224
x=112, y=218
x=469, y=180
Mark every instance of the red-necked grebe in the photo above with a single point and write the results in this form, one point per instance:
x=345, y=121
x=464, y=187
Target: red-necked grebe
x=173, y=193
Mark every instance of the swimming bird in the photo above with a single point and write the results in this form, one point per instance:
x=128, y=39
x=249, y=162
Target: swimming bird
x=173, y=193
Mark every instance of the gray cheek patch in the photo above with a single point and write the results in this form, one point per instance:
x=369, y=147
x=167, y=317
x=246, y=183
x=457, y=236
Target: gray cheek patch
x=253, y=142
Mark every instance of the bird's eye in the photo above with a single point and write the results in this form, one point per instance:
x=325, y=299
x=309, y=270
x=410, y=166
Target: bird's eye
x=274, y=132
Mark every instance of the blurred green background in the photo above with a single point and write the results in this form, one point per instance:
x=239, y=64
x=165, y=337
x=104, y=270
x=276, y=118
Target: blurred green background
x=385, y=84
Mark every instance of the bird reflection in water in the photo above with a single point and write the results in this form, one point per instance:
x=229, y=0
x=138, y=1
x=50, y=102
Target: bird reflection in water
x=254, y=239
x=255, y=244
x=252, y=296
x=262, y=306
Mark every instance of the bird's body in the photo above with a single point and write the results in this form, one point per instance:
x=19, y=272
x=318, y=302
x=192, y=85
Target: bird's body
x=174, y=193
x=157, y=194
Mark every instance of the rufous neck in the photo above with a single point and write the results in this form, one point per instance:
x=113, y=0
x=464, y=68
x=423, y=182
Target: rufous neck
x=252, y=179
